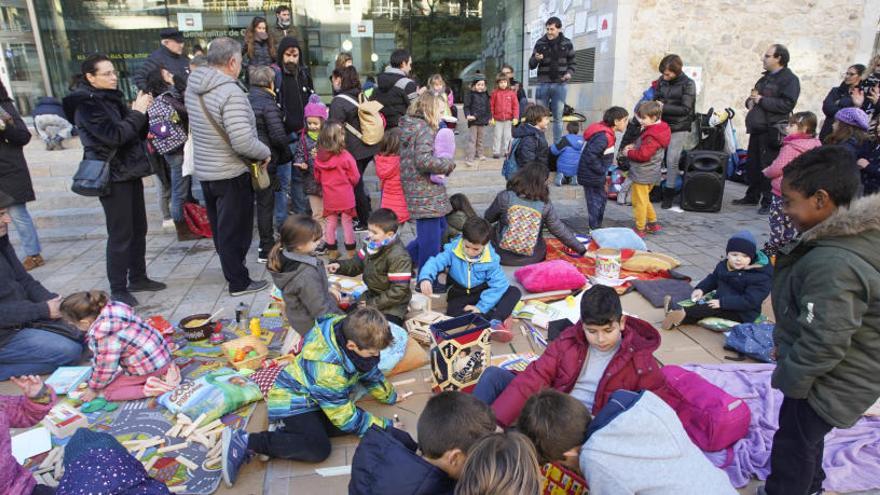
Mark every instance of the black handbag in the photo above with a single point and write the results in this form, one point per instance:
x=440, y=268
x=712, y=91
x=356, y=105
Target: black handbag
x=92, y=177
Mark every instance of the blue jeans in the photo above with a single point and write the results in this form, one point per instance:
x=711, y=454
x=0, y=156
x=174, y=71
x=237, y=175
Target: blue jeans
x=26, y=229
x=428, y=241
x=179, y=185
x=283, y=173
x=492, y=382
x=552, y=96
x=37, y=352
x=596, y=198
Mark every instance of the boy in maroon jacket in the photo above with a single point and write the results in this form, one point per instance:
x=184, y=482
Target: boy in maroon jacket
x=600, y=354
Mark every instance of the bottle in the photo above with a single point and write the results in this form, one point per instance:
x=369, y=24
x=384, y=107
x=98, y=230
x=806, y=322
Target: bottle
x=241, y=314
x=255, y=327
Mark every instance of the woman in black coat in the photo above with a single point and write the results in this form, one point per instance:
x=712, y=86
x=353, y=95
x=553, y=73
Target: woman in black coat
x=110, y=130
x=16, y=179
x=839, y=97
x=343, y=108
x=678, y=93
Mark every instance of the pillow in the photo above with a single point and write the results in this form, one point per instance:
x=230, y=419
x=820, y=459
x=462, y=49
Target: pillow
x=415, y=357
x=618, y=238
x=550, y=275
x=391, y=355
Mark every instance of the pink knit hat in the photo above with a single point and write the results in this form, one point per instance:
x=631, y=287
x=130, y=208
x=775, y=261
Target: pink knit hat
x=444, y=144
x=315, y=108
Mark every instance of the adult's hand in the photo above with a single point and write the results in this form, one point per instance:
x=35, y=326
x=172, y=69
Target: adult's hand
x=874, y=94
x=862, y=163
x=54, y=308
x=566, y=77
x=858, y=97
x=265, y=163
x=538, y=56
x=142, y=102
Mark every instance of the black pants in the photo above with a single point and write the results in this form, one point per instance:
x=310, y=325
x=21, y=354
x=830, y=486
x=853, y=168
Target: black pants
x=266, y=214
x=697, y=312
x=126, y=218
x=798, y=446
x=762, y=152
x=458, y=297
x=361, y=198
x=304, y=437
x=230, y=205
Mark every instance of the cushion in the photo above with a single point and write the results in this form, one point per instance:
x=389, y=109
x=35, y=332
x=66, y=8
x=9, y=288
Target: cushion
x=550, y=275
x=415, y=357
x=655, y=290
x=618, y=238
x=643, y=262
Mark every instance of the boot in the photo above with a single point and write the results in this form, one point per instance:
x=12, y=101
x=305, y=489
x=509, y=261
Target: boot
x=183, y=232
x=668, y=196
x=32, y=262
x=332, y=253
x=673, y=319
x=352, y=250
x=558, y=180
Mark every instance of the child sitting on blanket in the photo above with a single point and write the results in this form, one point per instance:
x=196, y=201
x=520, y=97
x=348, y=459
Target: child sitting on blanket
x=826, y=292
x=477, y=284
x=740, y=282
x=634, y=444
x=130, y=359
x=449, y=425
x=22, y=411
x=312, y=395
x=603, y=352
x=386, y=267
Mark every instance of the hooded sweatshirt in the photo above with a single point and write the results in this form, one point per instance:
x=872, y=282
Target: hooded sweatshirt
x=305, y=290
x=337, y=175
x=636, y=444
x=469, y=273
x=532, y=146
x=388, y=171
x=647, y=156
x=792, y=147
x=293, y=87
x=597, y=155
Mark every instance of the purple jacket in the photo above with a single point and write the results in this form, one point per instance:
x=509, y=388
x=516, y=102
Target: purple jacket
x=17, y=412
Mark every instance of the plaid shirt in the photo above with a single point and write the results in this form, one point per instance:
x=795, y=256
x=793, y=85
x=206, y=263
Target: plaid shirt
x=123, y=343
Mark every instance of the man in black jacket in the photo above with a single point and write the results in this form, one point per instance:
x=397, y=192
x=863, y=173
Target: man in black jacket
x=772, y=100
x=553, y=56
x=170, y=56
x=33, y=338
x=394, y=89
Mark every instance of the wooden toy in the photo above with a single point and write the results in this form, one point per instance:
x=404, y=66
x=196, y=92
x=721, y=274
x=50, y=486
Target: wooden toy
x=172, y=448
x=419, y=326
x=238, y=350
x=63, y=420
x=188, y=463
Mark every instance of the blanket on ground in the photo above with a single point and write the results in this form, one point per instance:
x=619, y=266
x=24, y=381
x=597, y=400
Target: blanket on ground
x=852, y=456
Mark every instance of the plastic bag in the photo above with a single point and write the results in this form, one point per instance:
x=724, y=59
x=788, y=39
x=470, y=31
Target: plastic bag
x=214, y=394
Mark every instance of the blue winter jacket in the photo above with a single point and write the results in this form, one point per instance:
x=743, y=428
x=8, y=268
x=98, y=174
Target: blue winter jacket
x=569, y=152
x=742, y=291
x=386, y=462
x=469, y=273
x=532, y=145
x=597, y=155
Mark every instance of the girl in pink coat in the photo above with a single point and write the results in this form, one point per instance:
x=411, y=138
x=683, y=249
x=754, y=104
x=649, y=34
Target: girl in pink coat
x=337, y=174
x=21, y=411
x=800, y=137
x=388, y=171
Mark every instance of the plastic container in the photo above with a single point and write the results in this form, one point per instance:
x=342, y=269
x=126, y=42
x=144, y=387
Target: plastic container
x=251, y=363
x=200, y=332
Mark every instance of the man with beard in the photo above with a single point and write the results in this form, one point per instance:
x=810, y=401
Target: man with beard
x=284, y=23
x=293, y=86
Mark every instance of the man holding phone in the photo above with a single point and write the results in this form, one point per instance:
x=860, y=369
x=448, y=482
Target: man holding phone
x=553, y=56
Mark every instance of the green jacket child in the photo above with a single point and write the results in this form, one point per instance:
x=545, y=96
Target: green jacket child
x=387, y=271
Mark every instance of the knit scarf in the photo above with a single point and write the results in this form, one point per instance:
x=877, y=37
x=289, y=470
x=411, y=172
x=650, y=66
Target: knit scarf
x=362, y=364
x=373, y=247
x=313, y=134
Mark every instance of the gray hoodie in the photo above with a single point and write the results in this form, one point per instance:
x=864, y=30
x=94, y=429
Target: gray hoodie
x=228, y=104
x=645, y=451
x=303, y=283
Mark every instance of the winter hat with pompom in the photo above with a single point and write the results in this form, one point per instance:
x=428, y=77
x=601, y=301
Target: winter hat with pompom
x=315, y=108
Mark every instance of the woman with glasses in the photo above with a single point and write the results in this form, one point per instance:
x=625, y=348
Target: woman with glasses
x=841, y=96
x=111, y=131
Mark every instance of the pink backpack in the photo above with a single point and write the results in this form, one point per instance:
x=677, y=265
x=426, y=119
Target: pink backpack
x=714, y=419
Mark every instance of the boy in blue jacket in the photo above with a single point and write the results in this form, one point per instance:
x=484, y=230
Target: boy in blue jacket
x=740, y=283
x=595, y=160
x=477, y=284
x=568, y=149
x=387, y=460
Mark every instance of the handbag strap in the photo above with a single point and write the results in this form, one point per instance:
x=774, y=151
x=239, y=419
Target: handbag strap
x=352, y=129
x=220, y=130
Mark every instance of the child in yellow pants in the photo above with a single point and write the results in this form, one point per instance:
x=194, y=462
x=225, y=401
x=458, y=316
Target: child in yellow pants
x=643, y=210
x=645, y=158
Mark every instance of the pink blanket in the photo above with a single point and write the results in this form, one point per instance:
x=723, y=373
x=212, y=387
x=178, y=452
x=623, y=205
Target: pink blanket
x=852, y=457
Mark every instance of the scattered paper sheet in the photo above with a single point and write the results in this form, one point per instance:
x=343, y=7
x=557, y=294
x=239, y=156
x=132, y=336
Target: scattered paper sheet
x=30, y=443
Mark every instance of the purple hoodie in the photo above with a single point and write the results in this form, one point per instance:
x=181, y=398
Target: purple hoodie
x=17, y=412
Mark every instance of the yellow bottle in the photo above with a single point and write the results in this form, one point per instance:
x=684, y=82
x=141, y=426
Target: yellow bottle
x=255, y=327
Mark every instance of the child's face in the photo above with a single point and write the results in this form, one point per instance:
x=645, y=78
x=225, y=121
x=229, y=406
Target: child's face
x=314, y=124
x=806, y=211
x=472, y=249
x=308, y=247
x=377, y=234
x=543, y=124
x=620, y=124
x=647, y=120
x=737, y=260
x=364, y=353
x=502, y=84
x=791, y=128
x=604, y=337
x=480, y=86
x=438, y=87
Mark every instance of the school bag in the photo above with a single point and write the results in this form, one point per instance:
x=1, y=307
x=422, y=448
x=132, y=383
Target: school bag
x=510, y=166
x=523, y=226
x=754, y=340
x=372, y=122
x=712, y=418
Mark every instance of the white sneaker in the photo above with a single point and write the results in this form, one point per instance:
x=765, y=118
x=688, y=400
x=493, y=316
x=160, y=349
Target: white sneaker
x=167, y=224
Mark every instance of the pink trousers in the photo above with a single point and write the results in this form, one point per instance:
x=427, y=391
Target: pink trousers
x=126, y=387
x=347, y=228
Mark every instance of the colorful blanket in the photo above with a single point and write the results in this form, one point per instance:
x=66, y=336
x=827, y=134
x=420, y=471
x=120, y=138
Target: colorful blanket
x=852, y=456
x=587, y=265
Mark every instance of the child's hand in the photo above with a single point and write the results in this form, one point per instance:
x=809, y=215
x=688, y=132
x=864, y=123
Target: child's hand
x=427, y=288
x=471, y=118
x=862, y=163
x=88, y=395
x=301, y=166
x=515, y=121
x=696, y=295
x=714, y=304
x=336, y=294
x=627, y=148
x=774, y=353
x=30, y=385
x=332, y=267
x=470, y=308
x=492, y=122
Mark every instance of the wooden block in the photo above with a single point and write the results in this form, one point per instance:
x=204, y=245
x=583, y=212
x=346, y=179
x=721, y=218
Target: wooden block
x=183, y=418
x=151, y=442
x=59, y=470
x=215, y=450
x=172, y=448
x=192, y=427
x=213, y=461
x=210, y=426
x=198, y=437
x=403, y=382
x=199, y=420
x=50, y=481
x=149, y=465
x=172, y=432
x=50, y=458
x=405, y=395
x=188, y=463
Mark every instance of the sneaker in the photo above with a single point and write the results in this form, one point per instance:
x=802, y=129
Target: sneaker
x=654, y=227
x=262, y=256
x=501, y=331
x=746, y=201
x=764, y=210
x=641, y=233
x=167, y=224
x=558, y=181
x=145, y=285
x=482, y=158
x=31, y=262
x=496, y=156
x=360, y=226
x=321, y=249
x=673, y=319
x=254, y=286
x=124, y=296
x=233, y=454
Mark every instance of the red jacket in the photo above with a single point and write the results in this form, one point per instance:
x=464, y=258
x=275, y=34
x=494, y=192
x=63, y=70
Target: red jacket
x=388, y=171
x=504, y=105
x=337, y=175
x=632, y=368
x=653, y=137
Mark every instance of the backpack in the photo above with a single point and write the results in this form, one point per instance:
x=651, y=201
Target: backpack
x=510, y=166
x=372, y=123
x=712, y=418
x=754, y=340
x=523, y=226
